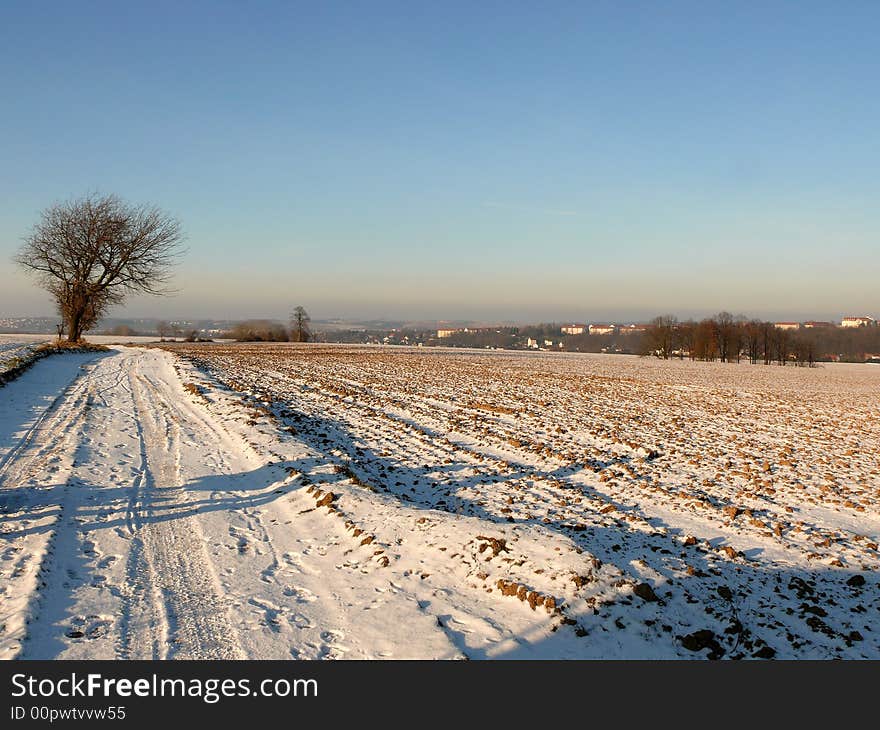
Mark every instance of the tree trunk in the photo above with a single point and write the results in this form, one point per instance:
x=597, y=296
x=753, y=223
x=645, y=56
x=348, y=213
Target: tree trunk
x=74, y=327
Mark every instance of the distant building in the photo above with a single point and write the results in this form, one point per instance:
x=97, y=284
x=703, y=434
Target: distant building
x=633, y=329
x=811, y=325
x=444, y=332
x=531, y=343
x=858, y=322
x=603, y=329
x=787, y=325
x=574, y=329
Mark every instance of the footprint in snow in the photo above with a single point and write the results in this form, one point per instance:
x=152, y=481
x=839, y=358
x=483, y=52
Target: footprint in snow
x=301, y=621
x=272, y=614
x=302, y=595
x=88, y=627
x=294, y=563
x=331, y=653
x=332, y=636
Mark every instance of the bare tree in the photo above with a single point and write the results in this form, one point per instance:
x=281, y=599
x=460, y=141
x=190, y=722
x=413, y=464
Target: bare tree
x=752, y=337
x=164, y=330
x=810, y=345
x=705, y=340
x=781, y=345
x=299, y=325
x=90, y=252
x=724, y=325
x=660, y=336
x=768, y=332
x=803, y=347
x=685, y=337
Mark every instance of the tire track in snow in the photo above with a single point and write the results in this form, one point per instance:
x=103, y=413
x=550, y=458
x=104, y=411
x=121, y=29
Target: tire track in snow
x=47, y=448
x=169, y=563
x=144, y=625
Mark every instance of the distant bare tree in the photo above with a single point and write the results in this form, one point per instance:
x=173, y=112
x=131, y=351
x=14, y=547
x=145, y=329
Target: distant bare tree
x=724, y=326
x=737, y=337
x=752, y=339
x=164, y=330
x=89, y=253
x=684, y=340
x=781, y=345
x=660, y=336
x=705, y=340
x=767, y=339
x=804, y=350
x=299, y=325
x=810, y=346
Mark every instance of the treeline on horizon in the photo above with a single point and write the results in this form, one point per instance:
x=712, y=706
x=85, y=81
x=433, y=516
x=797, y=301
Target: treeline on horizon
x=733, y=338
x=723, y=337
x=266, y=330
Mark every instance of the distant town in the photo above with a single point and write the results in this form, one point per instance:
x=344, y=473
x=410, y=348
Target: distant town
x=854, y=338
x=725, y=337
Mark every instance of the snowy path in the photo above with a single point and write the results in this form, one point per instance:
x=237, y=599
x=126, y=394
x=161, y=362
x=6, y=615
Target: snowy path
x=135, y=525
x=96, y=572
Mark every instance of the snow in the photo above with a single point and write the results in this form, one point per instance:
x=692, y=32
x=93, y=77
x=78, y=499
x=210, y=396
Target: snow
x=17, y=340
x=279, y=501
x=13, y=352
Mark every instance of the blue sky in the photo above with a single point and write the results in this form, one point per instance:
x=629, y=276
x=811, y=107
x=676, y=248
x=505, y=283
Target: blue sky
x=479, y=160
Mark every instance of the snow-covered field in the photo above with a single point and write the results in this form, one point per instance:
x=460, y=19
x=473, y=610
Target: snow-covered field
x=276, y=501
x=13, y=352
x=11, y=340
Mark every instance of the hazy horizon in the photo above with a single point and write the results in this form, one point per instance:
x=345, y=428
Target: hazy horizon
x=573, y=162
x=503, y=318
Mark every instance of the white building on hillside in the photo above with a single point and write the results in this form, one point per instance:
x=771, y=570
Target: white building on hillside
x=858, y=322
x=574, y=329
x=603, y=329
x=633, y=329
